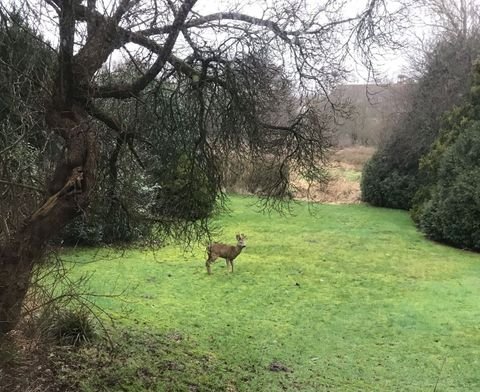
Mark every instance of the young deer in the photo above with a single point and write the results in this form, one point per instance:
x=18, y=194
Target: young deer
x=227, y=252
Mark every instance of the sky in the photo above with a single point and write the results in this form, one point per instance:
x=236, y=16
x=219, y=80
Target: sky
x=390, y=64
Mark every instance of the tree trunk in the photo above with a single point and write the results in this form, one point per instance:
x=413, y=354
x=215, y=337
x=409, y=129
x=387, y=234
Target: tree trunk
x=69, y=192
x=74, y=176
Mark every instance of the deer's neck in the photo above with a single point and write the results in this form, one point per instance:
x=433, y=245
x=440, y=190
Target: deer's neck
x=237, y=250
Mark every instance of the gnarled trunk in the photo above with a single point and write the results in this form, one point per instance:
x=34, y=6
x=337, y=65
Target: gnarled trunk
x=74, y=177
x=69, y=191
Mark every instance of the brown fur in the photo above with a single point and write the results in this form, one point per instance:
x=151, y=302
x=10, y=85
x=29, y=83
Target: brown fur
x=227, y=252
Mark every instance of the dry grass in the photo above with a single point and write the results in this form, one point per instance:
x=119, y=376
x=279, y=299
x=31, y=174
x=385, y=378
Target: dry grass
x=345, y=171
x=344, y=187
x=354, y=157
x=338, y=191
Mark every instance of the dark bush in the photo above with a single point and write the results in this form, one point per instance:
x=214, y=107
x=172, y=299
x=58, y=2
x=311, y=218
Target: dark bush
x=82, y=232
x=393, y=177
x=263, y=176
x=452, y=214
x=107, y=223
x=267, y=177
x=386, y=187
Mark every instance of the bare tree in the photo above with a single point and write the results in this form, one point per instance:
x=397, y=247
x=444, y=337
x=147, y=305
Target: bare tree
x=212, y=58
x=458, y=18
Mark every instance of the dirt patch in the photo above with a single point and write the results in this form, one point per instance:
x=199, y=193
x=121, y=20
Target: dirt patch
x=25, y=366
x=276, y=366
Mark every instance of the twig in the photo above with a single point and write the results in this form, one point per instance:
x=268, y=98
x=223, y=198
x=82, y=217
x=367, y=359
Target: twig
x=439, y=374
x=32, y=188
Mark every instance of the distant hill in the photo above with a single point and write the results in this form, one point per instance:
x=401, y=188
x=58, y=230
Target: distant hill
x=375, y=109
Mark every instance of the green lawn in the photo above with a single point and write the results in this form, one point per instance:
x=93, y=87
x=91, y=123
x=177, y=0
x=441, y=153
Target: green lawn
x=347, y=297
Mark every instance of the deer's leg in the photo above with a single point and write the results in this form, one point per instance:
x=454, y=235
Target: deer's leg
x=209, y=262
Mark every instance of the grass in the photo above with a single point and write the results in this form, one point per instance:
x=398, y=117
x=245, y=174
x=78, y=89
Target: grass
x=348, y=174
x=345, y=297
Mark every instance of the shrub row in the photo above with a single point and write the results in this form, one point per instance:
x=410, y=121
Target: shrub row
x=443, y=192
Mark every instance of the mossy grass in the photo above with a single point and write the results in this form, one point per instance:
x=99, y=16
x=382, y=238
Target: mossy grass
x=345, y=297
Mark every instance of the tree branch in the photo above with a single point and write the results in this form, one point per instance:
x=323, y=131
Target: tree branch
x=91, y=4
x=126, y=91
x=16, y=184
x=122, y=8
x=236, y=16
x=113, y=124
x=67, y=33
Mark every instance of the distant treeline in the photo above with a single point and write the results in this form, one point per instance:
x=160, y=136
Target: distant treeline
x=373, y=111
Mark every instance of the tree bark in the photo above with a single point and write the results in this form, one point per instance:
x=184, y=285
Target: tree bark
x=70, y=190
x=74, y=177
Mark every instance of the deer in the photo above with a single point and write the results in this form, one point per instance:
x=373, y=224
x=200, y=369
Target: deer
x=227, y=252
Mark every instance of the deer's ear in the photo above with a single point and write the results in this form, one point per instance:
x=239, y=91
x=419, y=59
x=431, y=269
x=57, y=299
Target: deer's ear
x=237, y=236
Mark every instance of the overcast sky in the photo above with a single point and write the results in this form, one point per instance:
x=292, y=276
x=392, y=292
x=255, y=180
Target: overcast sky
x=390, y=63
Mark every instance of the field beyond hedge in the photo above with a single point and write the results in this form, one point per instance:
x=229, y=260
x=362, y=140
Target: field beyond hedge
x=331, y=298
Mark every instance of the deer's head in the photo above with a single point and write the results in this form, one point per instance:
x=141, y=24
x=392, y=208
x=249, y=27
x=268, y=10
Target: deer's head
x=241, y=240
